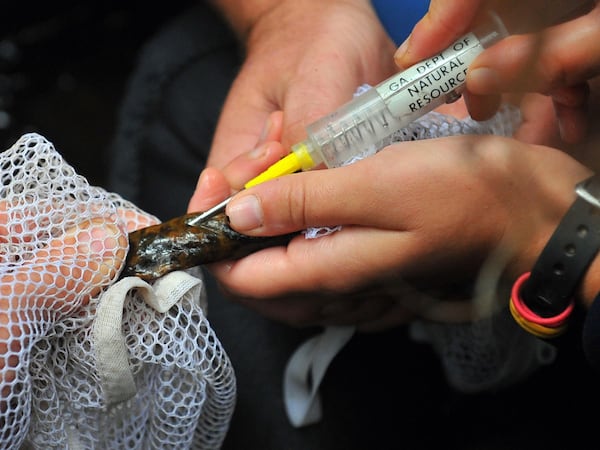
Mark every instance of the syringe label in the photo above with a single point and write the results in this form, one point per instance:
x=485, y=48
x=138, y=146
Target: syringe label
x=428, y=83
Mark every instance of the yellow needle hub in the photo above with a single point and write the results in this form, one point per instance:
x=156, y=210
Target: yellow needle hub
x=298, y=159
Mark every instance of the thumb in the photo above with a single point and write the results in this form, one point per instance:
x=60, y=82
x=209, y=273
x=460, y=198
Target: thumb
x=318, y=198
x=444, y=22
x=282, y=205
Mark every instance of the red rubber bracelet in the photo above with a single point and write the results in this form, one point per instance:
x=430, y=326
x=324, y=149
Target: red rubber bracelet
x=527, y=314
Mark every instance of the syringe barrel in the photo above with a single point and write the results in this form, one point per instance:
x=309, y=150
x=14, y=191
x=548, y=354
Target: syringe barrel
x=351, y=130
x=373, y=116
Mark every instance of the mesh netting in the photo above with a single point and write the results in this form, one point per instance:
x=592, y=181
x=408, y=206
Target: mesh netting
x=87, y=362
x=484, y=355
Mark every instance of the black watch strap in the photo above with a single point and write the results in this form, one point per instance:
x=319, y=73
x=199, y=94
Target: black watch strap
x=567, y=255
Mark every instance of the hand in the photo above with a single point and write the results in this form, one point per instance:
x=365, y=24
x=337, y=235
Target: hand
x=306, y=59
x=433, y=213
x=58, y=279
x=556, y=61
x=55, y=279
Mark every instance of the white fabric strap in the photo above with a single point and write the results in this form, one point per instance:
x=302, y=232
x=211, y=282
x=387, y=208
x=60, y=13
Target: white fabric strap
x=170, y=288
x=112, y=358
x=305, y=371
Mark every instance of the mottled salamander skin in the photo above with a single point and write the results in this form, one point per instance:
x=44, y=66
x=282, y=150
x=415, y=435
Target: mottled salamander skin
x=174, y=245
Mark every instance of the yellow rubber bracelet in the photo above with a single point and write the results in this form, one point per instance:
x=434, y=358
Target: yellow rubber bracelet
x=535, y=328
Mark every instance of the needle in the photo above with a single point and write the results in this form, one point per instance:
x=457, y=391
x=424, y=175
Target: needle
x=210, y=212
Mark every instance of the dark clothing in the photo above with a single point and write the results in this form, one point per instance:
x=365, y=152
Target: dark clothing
x=591, y=335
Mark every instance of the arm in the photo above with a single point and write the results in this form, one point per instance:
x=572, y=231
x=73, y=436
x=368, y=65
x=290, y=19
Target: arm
x=305, y=59
x=242, y=15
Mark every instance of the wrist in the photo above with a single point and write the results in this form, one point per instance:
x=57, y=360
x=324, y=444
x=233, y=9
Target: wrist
x=301, y=16
x=243, y=14
x=542, y=299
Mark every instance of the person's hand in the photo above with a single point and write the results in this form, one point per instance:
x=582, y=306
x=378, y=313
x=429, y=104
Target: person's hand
x=428, y=213
x=304, y=58
x=55, y=279
x=556, y=61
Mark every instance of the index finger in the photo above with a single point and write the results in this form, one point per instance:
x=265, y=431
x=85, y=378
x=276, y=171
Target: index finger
x=561, y=56
x=442, y=24
x=243, y=116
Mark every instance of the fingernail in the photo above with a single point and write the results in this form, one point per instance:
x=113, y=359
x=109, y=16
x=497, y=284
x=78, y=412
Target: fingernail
x=201, y=180
x=483, y=80
x=258, y=152
x=402, y=50
x=245, y=213
x=265, y=131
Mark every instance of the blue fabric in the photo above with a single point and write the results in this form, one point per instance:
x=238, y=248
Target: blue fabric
x=399, y=16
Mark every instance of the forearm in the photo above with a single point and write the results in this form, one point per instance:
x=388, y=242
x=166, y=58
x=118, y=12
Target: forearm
x=243, y=14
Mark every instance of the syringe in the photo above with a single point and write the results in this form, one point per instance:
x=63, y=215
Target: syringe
x=362, y=124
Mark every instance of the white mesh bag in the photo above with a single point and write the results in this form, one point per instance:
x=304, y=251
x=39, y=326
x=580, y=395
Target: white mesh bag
x=88, y=361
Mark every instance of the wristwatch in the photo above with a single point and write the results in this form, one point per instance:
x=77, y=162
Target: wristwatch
x=542, y=299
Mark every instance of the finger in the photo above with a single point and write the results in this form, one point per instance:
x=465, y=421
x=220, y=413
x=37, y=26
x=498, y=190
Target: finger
x=277, y=267
x=242, y=120
x=212, y=188
x=539, y=123
x=561, y=56
x=394, y=316
x=308, y=103
x=134, y=218
x=482, y=107
x=356, y=308
x=314, y=95
x=294, y=310
x=19, y=219
x=60, y=277
x=69, y=270
x=248, y=165
x=318, y=309
x=272, y=129
x=444, y=22
x=570, y=104
x=216, y=185
x=573, y=123
x=236, y=173
x=288, y=204
x=302, y=200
